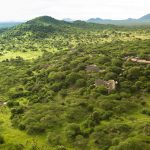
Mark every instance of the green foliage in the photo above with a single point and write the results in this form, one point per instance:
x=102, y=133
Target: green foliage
x=134, y=72
x=132, y=144
x=57, y=99
x=2, y=141
x=72, y=131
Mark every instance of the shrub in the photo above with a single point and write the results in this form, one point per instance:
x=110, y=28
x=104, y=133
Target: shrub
x=56, y=76
x=134, y=72
x=101, y=90
x=21, y=126
x=107, y=115
x=80, y=142
x=35, y=129
x=56, y=86
x=72, y=131
x=15, y=147
x=17, y=110
x=95, y=117
x=138, y=85
x=53, y=139
x=110, y=75
x=2, y=141
x=132, y=144
x=103, y=59
x=145, y=129
x=146, y=112
x=72, y=78
x=80, y=83
x=117, y=62
x=63, y=93
x=12, y=103
x=61, y=147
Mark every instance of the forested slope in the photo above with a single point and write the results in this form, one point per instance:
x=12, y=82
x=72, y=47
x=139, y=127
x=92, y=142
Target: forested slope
x=87, y=94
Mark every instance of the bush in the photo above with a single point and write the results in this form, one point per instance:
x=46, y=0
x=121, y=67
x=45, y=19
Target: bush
x=72, y=131
x=35, y=129
x=110, y=76
x=2, y=141
x=80, y=83
x=80, y=142
x=132, y=144
x=145, y=129
x=21, y=126
x=56, y=76
x=117, y=62
x=102, y=59
x=12, y=103
x=134, y=73
x=101, y=90
x=107, y=115
x=17, y=110
x=15, y=147
x=54, y=139
x=63, y=93
x=56, y=86
x=95, y=117
x=138, y=85
x=61, y=147
x=72, y=78
x=146, y=112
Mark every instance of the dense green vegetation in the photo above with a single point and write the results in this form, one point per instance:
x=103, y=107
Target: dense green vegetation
x=64, y=99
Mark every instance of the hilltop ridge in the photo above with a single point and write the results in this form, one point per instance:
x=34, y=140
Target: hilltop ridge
x=144, y=20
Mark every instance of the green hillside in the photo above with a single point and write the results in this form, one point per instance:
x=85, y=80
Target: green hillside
x=29, y=40
x=74, y=86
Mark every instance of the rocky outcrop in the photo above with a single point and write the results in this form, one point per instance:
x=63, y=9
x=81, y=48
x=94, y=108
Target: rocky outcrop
x=110, y=84
x=92, y=68
x=139, y=60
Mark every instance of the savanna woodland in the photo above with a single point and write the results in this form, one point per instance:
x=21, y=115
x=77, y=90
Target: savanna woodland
x=74, y=86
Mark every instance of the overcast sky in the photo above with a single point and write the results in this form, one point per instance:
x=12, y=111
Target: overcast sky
x=22, y=10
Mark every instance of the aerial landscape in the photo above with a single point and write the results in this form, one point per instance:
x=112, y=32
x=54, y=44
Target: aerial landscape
x=74, y=81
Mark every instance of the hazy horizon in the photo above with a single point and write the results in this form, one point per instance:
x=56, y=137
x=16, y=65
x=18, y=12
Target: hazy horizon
x=18, y=11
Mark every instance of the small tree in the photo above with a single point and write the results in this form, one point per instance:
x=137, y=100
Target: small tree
x=2, y=141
